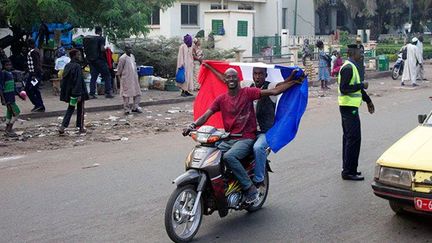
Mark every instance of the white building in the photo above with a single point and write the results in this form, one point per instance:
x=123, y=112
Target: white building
x=269, y=17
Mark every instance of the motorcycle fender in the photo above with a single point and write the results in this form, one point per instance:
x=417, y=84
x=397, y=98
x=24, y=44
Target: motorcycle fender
x=189, y=177
x=268, y=166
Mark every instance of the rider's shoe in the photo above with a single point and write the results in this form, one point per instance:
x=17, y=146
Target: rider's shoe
x=251, y=195
x=259, y=184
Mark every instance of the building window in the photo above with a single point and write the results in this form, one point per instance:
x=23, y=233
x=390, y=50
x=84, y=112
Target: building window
x=217, y=27
x=189, y=14
x=245, y=6
x=242, y=28
x=217, y=6
x=154, y=18
x=284, y=18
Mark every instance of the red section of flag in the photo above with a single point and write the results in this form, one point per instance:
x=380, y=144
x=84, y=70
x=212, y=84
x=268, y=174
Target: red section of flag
x=211, y=87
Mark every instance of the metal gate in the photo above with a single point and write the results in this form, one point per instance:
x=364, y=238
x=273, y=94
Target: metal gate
x=266, y=46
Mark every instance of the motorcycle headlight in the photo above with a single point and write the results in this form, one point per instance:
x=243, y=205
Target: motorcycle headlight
x=396, y=177
x=202, y=137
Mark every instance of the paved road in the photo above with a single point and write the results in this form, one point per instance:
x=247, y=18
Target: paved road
x=49, y=197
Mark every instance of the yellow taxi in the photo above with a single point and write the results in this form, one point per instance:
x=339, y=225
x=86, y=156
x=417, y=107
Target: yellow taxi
x=403, y=174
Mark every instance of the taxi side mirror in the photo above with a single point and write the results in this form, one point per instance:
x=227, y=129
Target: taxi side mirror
x=421, y=118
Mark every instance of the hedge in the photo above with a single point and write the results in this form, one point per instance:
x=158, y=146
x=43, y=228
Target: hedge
x=394, y=49
x=161, y=53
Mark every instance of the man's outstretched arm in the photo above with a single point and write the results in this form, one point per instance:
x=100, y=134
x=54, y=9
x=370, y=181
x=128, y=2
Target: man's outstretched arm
x=219, y=75
x=283, y=86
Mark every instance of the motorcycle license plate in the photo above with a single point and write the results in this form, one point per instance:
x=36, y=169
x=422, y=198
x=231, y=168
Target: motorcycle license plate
x=423, y=204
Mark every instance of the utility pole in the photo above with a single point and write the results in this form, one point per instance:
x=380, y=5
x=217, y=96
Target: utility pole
x=295, y=18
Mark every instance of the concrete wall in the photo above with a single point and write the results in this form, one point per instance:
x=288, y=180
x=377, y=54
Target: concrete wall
x=230, y=19
x=305, y=17
x=267, y=17
x=170, y=21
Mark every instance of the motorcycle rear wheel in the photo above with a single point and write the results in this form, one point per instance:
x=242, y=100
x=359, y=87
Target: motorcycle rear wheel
x=263, y=192
x=179, y=225
x=395, y=73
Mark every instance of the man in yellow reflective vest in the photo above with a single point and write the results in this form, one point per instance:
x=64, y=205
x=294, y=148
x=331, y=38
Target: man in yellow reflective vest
x=351, y=93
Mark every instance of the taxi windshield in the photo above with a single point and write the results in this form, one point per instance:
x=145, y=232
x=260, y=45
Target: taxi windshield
x=428, y=120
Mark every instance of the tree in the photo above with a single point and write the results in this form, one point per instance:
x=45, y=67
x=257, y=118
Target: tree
x=119, y=18
x=422, y=12
x=382, y=16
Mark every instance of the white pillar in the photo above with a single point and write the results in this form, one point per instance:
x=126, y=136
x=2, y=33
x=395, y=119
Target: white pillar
x=294, y=51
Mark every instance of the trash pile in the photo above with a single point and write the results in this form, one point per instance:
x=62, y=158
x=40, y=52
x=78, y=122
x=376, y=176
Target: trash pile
x=110, y=126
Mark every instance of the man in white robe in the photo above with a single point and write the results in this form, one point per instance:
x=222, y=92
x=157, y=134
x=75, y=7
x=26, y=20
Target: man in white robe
x=413, y=59
x=185, y=59
x=420, y=69
x=129, y=84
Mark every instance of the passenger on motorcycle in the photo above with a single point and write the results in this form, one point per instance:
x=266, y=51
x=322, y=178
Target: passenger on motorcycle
x=239, y=117
x=265, y=113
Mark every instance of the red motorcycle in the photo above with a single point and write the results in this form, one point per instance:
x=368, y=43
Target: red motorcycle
x=207, y=186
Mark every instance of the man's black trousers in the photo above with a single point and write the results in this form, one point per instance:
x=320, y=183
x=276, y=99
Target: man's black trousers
x=351, y=139
x=80, y=115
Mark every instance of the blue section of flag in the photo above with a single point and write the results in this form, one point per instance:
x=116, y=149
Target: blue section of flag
x=290, y=109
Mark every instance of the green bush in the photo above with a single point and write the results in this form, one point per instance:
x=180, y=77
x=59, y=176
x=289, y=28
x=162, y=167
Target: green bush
x=217, y=54
x=394, y=49
x=427, y=53
x=161, y=53
x=345, y=38
x=392, y=57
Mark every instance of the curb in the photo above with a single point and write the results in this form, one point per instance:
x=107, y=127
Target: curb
x=105, y=108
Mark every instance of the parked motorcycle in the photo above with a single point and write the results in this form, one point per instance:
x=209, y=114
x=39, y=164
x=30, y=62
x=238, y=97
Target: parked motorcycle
x=398, y=67
x=207, y=186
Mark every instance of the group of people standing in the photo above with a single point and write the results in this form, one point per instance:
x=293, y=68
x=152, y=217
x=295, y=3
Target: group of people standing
x=24, y=59
x=73, y=87
x=412, y=53
x=69, y=65
x=331, y=65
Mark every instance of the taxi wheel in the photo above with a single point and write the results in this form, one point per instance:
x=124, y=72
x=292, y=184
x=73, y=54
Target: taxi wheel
x=397, y=207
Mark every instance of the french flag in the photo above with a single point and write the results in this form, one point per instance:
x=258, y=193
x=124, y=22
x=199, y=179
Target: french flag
x=290, y=105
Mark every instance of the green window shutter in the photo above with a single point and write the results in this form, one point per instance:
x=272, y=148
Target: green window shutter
x=217, y=26
x=242, y=28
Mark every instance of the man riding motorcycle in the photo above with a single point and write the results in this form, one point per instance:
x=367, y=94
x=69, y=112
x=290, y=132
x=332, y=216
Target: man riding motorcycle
x=239, y=117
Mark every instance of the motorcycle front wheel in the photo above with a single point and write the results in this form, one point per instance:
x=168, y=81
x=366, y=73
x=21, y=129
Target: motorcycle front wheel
x=180, y=225
x=263, y=192
x=395, y=73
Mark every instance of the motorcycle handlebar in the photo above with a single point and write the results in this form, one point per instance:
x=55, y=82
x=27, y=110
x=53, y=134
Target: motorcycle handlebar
x=230, y=135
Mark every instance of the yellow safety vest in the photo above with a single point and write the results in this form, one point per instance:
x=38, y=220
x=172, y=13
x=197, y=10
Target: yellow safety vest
x=351, y=99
